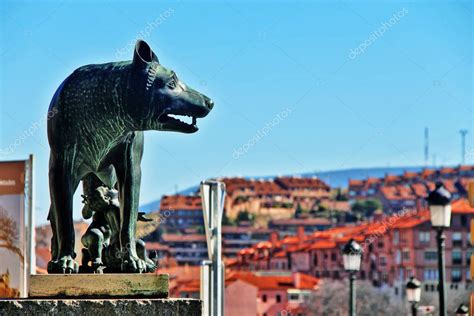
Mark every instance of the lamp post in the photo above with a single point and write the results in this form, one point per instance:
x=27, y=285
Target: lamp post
x=212, y=270
x=413, y=294
x=351, y=256
x=462, y=310
x=439, y=202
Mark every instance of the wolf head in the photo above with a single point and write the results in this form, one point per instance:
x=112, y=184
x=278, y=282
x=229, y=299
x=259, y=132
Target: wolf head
x=158, y=100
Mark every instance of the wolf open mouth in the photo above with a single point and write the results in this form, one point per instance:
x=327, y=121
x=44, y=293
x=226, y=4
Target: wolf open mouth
x=179, y=121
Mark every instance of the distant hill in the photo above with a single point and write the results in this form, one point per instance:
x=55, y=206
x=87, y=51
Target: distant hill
x=335, y=178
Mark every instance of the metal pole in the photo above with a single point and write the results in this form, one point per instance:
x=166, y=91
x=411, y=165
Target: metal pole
x=352, y=295
x=213, y=193
x=205, y=286
x=440, y=237
x=414, y=308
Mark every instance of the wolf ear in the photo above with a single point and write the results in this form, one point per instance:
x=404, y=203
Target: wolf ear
x=143, y=54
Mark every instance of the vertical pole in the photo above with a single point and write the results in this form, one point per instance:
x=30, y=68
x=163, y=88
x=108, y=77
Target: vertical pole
x=213, y=194
x=440, y=237
x=352, y=294
x=30, y=242
x=205, y=287
x=414, y=308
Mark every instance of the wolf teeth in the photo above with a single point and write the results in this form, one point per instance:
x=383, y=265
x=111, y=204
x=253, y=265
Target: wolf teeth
x=177, y=117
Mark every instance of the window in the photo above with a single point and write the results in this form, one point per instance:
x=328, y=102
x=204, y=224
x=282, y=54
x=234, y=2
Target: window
x=264, y=298
x=333, y=256
x=401, y=275
x=403, y=236
x=430, y=274
x=456, y=256
x=431, y=255
x=395, y=237
x=398, y=257
x=406, y=255
x=456, y=275
x=457, y=239
x=383, y=261
x=315, y=260
x=278, y=298
x=380, y=244
x=293, y=297
x=424, y=236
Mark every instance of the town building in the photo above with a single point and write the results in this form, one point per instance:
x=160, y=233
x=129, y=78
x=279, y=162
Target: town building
x=395, y=247
x=251, y=293
x=191, y=248
x=289, y=226
x=178, y=212
x=396, y=192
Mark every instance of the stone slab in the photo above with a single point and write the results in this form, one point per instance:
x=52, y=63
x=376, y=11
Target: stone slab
x=99, y=286
x=161, y=307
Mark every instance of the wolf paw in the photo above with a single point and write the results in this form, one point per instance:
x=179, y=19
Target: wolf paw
x=133, y=264
x=65, y=265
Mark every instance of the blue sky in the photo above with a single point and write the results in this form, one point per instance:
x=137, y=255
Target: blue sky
x=257, y=60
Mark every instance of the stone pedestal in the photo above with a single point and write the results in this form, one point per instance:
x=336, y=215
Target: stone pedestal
x=98, y=286
x=161, y=307
x=100, y=294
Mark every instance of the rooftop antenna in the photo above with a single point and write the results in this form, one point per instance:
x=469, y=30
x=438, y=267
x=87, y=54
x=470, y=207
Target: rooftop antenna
x=427, y=144
x=463, y=133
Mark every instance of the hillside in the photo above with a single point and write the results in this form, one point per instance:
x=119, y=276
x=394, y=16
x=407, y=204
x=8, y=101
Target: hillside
x=335, y=178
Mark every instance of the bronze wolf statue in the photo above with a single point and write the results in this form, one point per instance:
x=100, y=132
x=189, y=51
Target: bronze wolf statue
x=96, y=135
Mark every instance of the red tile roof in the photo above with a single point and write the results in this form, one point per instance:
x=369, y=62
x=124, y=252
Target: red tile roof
x=302, y=183
x=462, y=206
x=274, y=282
x=398, y=192
x=323, y=244
x=181, y=202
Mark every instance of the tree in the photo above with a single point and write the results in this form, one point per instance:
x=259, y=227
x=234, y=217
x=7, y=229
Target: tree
x=9, y=233
x=366, y=208
x=331, y=298
x=244, y=216
x=340, y=196
x=299, y=210
x=226, y=220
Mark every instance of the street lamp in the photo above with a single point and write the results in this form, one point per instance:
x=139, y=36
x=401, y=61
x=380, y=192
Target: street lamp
x=439, y=202
x=212, y=270
x=351, y=256
x=413, y=294
x=462, y=310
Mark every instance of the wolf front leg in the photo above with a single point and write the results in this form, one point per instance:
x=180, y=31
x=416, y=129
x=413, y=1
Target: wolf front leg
x=128, y=173
x=62, y=184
